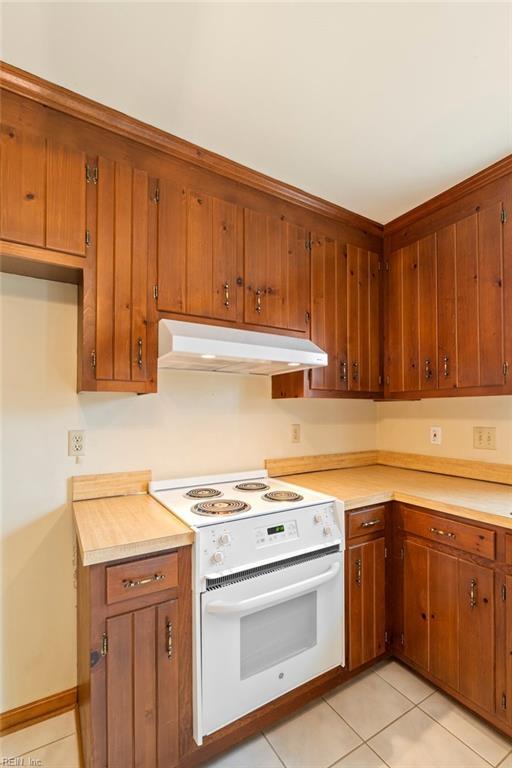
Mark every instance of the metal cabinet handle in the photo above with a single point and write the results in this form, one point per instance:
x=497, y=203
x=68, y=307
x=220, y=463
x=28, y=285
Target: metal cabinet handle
x=355, y=371
x=259, y=293
x=226, y=295
x=359, y=570
x=446, y=367
x=129, y=583
x=343, y=370
x=428, y=370
x=473, y=596
x=168, y=637
x=370, y=523
x=439, y=532
x=139, y=351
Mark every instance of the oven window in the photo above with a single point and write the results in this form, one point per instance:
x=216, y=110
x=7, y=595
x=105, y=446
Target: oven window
x=274, y=634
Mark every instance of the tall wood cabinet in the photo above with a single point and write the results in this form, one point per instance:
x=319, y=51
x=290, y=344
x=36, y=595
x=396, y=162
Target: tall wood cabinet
x=448, y=301
x=117, y=307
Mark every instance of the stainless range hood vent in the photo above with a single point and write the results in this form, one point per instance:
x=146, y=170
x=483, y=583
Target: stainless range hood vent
x=198, y=347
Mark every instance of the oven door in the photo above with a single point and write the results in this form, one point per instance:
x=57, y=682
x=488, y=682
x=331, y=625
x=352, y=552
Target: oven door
x=267, y=632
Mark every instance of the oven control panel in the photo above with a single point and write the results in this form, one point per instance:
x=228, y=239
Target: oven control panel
x=276, y=534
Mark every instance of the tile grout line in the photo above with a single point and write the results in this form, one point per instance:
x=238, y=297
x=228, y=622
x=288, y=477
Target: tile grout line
x=274, y=750
x=416, y=703
x=458, y=739
x=505, y=758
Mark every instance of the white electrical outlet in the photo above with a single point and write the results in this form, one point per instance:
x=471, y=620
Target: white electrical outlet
x=484, y=438
x=76, y=442
x=295, y=433
x=436, y=435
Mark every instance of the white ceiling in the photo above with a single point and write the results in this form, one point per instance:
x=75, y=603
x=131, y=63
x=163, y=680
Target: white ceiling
x=376, y=107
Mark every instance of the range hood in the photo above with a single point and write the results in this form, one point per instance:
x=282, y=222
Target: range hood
x=197, y=347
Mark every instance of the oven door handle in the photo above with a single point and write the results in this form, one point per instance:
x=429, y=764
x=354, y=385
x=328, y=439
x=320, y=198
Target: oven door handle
x=275, y=596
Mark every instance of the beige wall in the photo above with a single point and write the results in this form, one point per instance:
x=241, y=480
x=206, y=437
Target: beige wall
x=196, y=423
x=405, y=426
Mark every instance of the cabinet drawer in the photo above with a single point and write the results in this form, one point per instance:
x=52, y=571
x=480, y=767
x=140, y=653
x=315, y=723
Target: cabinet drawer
x=469, y=538
x=508, y=549
x=141, y=577
x=366, y=521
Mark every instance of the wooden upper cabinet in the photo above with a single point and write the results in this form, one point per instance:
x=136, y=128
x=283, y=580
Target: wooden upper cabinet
x=276, y=273
x=363, y=320
x=43, y=188
x=119, y=330
x=449, y=306
x=200, y=262
x=412, y=318
x=329, y=311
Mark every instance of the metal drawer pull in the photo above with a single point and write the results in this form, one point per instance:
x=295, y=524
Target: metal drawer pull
x=258, y=300
x=359, y=571
x=370, y=523
x=129, y=583
x=473, y=593
x=428, y=370
x=446, y=368
x=139, y=351
x=343, y=371
x=438, y=532
x=355, y=371
x=168, y=630
x=226, y=295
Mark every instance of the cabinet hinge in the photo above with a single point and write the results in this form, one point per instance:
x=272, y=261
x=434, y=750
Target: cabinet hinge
x=308, y=245
x=505, y=369
x=386, y=266
x=91, y=174
x=503, y=700
x=385, y=552
x=93, y=359
x=156, y=195
x=307, y=317
x=402, y=639
x=88, y=237
x=503, y=593
x=104, y=644
x=380, y=379
x=155, y=292
x=503, y=216
x=402, y=553
x=387, y=380
x=386, y=637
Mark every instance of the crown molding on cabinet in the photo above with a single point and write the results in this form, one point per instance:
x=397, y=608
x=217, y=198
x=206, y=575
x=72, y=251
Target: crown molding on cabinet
x=56, y=97
x=486, y=176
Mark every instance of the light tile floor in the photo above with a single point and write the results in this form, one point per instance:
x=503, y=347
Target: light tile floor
x=385, y=717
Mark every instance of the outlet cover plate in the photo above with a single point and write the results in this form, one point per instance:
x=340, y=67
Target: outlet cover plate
x=436, y=435
x=484, y=438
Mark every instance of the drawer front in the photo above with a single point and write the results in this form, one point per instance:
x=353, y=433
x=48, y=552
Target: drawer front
x=470, y=538
x=141, y=577
x=367, y=520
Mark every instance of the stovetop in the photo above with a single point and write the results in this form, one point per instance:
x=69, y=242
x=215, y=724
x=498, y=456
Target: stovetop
x=201, y=501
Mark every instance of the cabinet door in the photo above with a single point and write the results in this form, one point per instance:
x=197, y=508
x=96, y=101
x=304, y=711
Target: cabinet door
x=508, y=649
x=416, y=608
x=276, y=273
x=476, y=634
x=471, y=300
x=366, y=601
x=443, y=608
x=125, y=230
x=43, y=192
x=329, y=312
x=412, y=317
x=363, y=320
x=142, y=688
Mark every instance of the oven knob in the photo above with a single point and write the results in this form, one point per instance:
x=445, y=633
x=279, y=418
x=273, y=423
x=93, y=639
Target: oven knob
x=224, y=538
x=327, y=530
x=318, y=518
x=218, y=557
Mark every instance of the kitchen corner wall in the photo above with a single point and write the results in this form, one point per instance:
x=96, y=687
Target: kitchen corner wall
x=405, y=426
x=197, y=423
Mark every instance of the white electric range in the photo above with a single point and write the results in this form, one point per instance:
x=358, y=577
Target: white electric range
x=267, y=588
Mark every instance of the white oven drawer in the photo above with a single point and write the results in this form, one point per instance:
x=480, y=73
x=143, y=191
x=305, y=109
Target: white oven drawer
x=267, y=634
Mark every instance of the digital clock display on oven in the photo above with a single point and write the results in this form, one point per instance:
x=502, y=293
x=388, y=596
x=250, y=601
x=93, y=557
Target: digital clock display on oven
x=275, y=529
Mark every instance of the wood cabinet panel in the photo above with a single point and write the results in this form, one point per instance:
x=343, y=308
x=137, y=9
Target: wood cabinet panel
x=328, y=303
x=66, y=199
x=172, y=247
x=366, y=601
x=427, y=313
x=476, y=634
x=23, y=187
x=508, y=650
x=470, y=538
x=466, y=282
x=416, y=607
x=142, y=577
x=364, y=521
x=363, y=320
x=120, y=691
x=446, y=308
x=444, y=620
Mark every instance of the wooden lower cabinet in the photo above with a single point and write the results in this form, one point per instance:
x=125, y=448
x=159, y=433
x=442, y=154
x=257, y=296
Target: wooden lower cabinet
x=134, y=665
x=366, y=601
x=449, y=620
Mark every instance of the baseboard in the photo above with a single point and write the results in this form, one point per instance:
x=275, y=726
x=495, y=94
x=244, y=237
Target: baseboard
x=36, y=711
